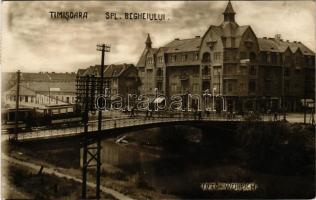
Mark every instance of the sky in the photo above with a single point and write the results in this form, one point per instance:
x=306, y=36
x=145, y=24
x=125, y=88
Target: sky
x=33, y=42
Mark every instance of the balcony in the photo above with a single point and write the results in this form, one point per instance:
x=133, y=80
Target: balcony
x=232, y=76
x=206, y=76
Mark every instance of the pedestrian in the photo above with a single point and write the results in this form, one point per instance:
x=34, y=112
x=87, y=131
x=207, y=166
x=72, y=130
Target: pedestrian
x=275, y=116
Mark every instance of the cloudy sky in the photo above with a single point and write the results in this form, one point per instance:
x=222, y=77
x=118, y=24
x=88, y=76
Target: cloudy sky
x=33, y=42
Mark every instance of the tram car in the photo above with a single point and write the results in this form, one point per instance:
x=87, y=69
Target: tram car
x=50, y=116
x=8, y=123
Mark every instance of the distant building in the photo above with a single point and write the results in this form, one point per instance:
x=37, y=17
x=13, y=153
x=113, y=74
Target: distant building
x=41, y=89
x=121, y=79
x=230, y=60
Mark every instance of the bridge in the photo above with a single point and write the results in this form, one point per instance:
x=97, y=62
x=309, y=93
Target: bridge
x=123, y=124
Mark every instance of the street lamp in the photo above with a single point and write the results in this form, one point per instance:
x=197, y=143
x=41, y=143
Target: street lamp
x=156, y=92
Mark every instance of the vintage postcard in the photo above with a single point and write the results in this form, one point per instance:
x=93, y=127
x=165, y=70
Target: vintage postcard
x=157, y=100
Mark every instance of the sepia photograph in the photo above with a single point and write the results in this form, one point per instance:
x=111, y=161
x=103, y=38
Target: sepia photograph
x=138, y=100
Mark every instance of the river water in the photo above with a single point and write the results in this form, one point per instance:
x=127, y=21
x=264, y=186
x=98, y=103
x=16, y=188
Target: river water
x=176, y=161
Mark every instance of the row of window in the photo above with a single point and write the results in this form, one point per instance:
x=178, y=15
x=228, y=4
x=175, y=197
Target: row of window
x=206, y=57
x=232, y=70
x=229, y=86
x=271, y=58
x=42, y=99
x=182, y=58
x=289, y=60
x=184, y=87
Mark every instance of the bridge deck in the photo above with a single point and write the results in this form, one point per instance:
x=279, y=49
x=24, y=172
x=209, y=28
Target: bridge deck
x=109, y=125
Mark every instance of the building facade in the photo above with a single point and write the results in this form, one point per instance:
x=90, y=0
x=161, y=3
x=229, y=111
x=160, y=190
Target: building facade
x=229, y=60
x=121, y=79
x=40, y=89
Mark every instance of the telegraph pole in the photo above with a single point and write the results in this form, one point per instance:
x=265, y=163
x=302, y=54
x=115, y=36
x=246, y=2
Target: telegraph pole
x=86, y=90
x=85, y=142
x=103, y=48
x=17, y=99
x=283, y=92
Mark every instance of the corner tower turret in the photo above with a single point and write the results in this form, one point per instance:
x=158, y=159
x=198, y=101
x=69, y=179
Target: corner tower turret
x=229, y=15
x=148, y=42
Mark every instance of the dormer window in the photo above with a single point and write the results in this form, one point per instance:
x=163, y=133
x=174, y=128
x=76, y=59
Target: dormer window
x=211, y=44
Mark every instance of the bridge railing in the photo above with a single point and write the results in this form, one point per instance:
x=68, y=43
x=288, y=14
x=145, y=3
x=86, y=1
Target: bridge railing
x=126, y=121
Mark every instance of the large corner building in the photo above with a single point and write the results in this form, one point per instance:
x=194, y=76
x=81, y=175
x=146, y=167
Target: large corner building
x=230, y=60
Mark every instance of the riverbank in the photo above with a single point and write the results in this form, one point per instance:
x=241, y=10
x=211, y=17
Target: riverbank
x=26, y=180
x=21, y=161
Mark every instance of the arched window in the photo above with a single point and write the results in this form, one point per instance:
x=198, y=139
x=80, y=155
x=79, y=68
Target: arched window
x=206, y=57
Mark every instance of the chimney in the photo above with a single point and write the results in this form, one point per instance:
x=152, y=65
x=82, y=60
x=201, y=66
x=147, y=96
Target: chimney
x=277, y=36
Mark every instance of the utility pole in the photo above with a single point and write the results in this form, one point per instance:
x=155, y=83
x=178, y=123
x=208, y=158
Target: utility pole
x=17, y=99
x=283, y=90
x=87, y=87
x=304, y=105
x=103, y=48
x=85, y=142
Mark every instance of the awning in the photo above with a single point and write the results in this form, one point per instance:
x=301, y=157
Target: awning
x=159, y=100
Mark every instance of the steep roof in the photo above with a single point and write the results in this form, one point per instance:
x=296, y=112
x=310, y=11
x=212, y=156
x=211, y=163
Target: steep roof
x=113, y=70
x=94, y=70
x=80, y=72
x=268, y=45
x=31, y=88
x=23, y=91
x=240, y=30
x=142, y=60
x=116, y=70
x=184, y=45
x=294, y=46
x=277, y=45
x=48, y=76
